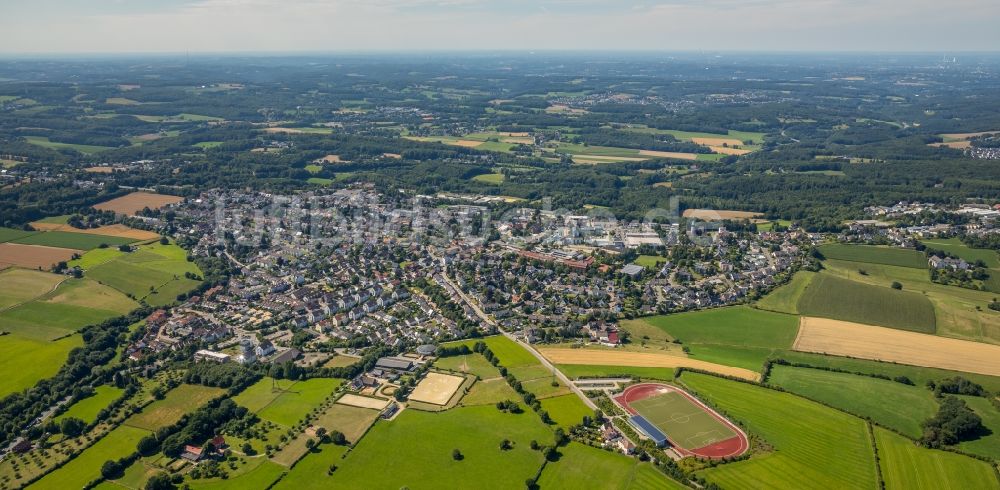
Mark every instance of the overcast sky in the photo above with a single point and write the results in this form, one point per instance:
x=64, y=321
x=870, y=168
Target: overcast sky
x=111, y=26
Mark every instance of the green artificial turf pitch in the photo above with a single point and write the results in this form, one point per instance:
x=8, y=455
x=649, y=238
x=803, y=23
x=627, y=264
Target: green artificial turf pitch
x=686, y=424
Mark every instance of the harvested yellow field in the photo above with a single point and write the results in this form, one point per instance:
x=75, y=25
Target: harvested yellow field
x=34, y=256
x=609, y=357
x=99, y=170
x=958, y=145
x=719, y=214
x=668, y=185
x=121, y=101
x=522, y=134
x=392, y=155
x=108, y=230
x=963, y=136
x=886, y=344
x=465, y=143
x=604, y=159
x=436, y=388
x=519, y=140
x=669, y=154
x=723, y=150
x=132, y=203
x=717, y=141
x=330, y=159
x=563, y=109
x=148, y=137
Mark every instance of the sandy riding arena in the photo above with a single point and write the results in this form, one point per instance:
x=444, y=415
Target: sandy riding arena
x=886, y=344
x=363, y=401
x=436, y=388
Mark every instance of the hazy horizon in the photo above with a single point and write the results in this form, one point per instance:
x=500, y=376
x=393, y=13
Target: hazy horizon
x=343, y=26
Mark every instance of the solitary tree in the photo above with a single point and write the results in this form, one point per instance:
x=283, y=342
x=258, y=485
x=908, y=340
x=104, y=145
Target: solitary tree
x=457, y=455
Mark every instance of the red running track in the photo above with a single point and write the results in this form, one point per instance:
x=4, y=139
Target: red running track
x=731, y=447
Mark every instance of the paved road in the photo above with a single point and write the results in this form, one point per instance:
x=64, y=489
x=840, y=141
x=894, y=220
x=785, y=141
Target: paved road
x=545, y=362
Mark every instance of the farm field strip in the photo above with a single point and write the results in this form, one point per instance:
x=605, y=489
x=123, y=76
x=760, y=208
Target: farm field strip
x=73, y=240
x=840, y=338
x=595, y=357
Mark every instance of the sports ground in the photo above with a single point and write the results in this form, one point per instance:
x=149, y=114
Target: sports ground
x=665, y=412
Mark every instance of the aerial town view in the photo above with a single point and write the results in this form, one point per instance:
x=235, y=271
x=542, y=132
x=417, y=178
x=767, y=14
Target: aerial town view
x=566, y=244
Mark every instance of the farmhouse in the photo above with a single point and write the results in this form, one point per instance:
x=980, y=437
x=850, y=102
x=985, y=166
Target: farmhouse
x=936, y=262
x=192, y=453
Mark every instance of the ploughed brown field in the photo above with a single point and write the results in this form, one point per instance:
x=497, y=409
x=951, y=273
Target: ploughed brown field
x=610, y=357
x=33, y=256
x=108, y=230
x=841, y=338
x=134, y=202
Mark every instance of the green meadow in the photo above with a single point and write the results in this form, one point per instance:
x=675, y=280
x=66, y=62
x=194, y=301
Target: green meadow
x=988, y=445
x=900, y=257
x=785, y=298
x=419, y=446
x=88, y=408
x=581, y=466
x=25, y=361
x=894, y=405
x=178, y=401
x=87, y=466
x=78, y=241
x=153, y=272
x=20, y=285
x=737, y=336
x=44, y=142
x=907, y=466
x=311, y=472
x=814, y=446
x=291, y=406
x=473, y=363
x=566, y=410
x=833, y=297
x=8, y=234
